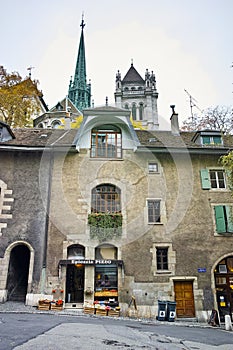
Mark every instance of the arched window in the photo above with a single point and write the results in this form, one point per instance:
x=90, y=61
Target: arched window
x=106, y=142
x=56, y=124
x=76, y=251
x=126, y=106
x=134, y=111
x=141, y=111
x=106, y=198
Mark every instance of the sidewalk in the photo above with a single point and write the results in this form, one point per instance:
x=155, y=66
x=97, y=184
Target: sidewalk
x=20, y=307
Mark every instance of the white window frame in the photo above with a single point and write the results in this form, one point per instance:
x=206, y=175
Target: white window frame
x=156, y=166
x=217, y=179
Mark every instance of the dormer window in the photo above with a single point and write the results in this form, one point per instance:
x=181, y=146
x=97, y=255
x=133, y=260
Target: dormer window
x=208, y=137
x=106, y=142
x=211, y=140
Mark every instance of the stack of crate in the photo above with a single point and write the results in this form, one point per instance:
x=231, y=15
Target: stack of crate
x=44, y=304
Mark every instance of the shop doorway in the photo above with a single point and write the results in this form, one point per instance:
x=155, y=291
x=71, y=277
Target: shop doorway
x=184, y=298
x=223, y=275
x=75, y=283
x=17, y=278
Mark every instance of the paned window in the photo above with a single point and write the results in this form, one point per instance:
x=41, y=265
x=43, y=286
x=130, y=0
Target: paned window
x=106, y=142
x=214, y=178
x=210, y=140
x=224, y=218
x=217, y=179
x=162, y=258
x=153, y=211
x=106, y=198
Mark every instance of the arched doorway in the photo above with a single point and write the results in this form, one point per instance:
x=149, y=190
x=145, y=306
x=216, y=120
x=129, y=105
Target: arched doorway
x=17, y=278
x=223, y=274
x=75, y=274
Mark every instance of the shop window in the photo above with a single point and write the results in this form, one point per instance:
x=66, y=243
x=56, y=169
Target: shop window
x=154, y=215
x=152, y=168
x=106, y=142
x=106, y=198
x=105, y=277
x=223, y=218
x=162, y=258
x=213, y=178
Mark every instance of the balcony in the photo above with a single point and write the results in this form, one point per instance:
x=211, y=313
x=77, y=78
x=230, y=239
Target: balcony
x=105, y=227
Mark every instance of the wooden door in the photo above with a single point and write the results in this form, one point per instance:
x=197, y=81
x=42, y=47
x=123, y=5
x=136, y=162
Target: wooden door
x=184, y=298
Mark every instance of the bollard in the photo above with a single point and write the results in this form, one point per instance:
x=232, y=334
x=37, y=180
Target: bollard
x=228, y=325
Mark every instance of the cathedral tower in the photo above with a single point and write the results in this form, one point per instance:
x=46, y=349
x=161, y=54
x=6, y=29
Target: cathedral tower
x=79, y=91
x=139, y=95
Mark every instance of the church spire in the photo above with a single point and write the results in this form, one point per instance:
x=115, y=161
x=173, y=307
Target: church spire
x=79, y=91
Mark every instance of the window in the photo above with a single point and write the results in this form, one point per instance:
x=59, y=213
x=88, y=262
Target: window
x=141, y=111
x=106, y=142
x=223, y=218
x=106, y=198
x=134, y=111
x=153, y=167
x=105, y=277
x=162, y=258
x=153, y=211
x=217, y=179
x=211, y=140
x=213, y=178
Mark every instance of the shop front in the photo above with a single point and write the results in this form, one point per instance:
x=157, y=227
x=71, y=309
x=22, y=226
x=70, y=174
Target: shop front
x=102, y=275
x=223, y=275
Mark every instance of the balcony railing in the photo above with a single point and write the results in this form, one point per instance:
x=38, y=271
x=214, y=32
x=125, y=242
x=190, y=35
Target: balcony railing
x=105, y=227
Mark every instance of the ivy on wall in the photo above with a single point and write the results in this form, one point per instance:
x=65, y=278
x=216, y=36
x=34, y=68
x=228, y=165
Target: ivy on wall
x=105, y=226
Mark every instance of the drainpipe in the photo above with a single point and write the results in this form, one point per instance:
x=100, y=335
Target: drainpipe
x=44, y=262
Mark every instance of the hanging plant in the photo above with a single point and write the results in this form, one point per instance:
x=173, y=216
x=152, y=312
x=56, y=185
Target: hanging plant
x=105, y=226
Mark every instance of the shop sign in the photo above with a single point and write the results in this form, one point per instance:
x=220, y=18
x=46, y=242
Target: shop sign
x=91, y=262
x=201, y=269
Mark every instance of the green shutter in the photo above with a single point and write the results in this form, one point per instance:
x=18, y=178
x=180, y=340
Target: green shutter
x=205, y=179
x=229, y=218
x=220, y=219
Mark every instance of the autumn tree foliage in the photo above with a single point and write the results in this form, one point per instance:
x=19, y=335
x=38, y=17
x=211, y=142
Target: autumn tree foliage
x=227, y=163
x=217, y=118
x=19, y=99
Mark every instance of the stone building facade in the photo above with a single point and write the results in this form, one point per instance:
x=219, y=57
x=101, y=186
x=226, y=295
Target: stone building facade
x=107, y=212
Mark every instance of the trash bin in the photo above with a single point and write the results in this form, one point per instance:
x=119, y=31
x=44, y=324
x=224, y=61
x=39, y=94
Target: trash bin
x=162, y=305
x=171, y=311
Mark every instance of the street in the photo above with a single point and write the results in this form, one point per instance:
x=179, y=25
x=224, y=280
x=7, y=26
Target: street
x=49, y=331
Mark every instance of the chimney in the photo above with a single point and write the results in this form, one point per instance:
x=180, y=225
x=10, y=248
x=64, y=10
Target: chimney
x=174, y=122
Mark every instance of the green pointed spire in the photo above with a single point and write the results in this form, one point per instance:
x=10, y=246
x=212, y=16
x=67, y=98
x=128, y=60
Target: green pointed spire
x=79, y=91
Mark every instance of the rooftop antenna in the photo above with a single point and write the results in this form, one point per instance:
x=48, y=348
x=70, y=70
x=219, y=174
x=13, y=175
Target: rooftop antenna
x=30, y=71
x=192, y=104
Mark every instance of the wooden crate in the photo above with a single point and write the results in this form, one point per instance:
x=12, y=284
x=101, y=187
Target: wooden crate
x=101, y=312
x=56, y=307
x=114, y=313
x=89, y=310
x=42, y=306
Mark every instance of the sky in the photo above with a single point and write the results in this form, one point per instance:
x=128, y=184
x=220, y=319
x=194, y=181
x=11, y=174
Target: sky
x=187, y=44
